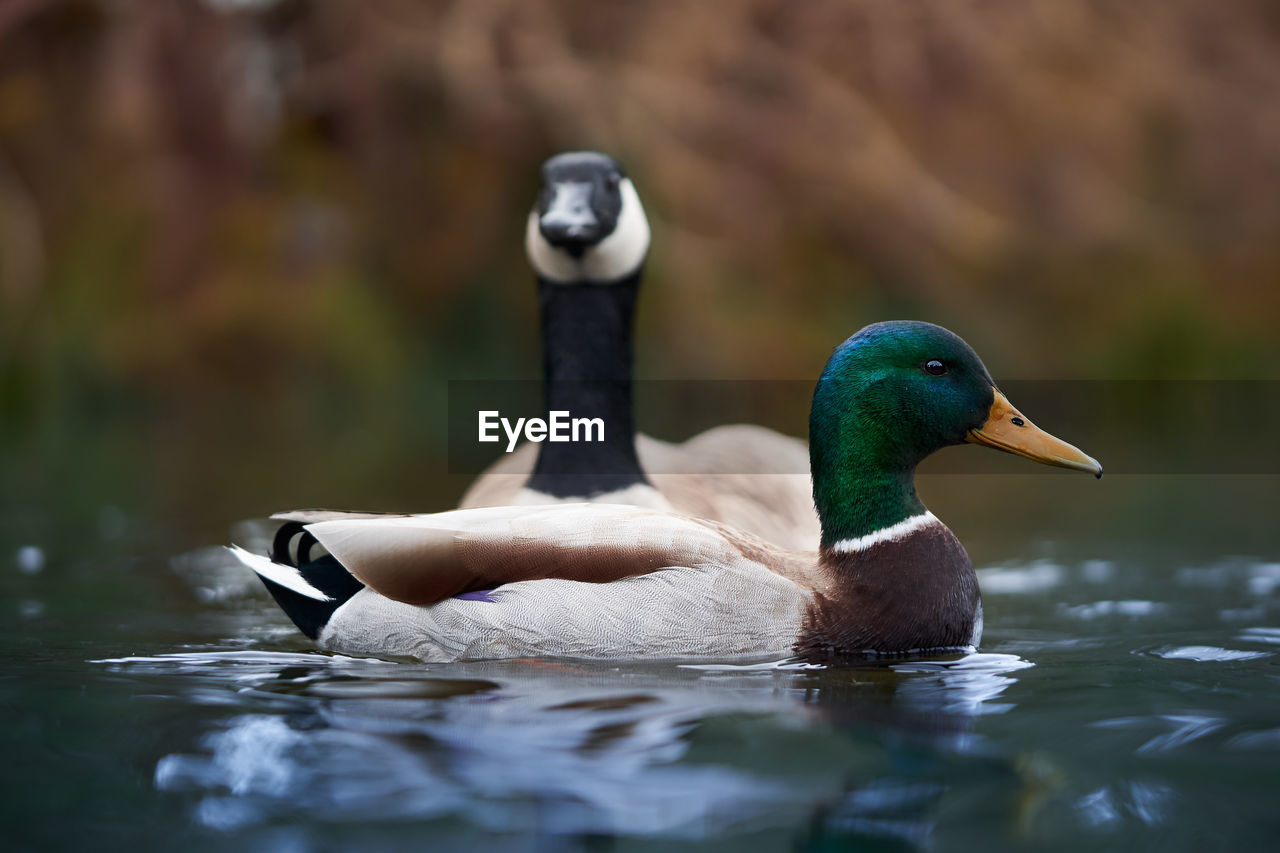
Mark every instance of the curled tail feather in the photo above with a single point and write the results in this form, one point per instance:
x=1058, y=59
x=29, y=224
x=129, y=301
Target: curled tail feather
x=308, y=588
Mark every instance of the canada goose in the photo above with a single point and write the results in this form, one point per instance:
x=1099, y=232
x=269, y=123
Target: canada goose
x=587, y=238
x=607, y=581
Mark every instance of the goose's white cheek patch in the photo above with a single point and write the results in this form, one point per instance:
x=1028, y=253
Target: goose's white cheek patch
x=615, y=257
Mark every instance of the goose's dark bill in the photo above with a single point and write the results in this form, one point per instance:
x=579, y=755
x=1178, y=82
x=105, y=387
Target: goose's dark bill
x=1009, y=430
x=577, y=214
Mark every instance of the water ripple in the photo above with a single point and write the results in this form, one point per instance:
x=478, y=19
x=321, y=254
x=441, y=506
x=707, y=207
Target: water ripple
x=1101, y=609
x=1107, y=806
x=1260, y=635
x=1265, y=739
x=1206, y=654
x=1185, y=729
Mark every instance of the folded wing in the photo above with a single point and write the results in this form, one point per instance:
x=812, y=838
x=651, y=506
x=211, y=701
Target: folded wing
x=424, y=559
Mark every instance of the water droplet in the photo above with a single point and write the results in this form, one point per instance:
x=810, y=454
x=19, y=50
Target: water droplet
x=30, y=559
x=1015, y=580
x=1098, y=571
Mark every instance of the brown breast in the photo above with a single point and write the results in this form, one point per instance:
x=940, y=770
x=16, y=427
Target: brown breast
x=917, y=592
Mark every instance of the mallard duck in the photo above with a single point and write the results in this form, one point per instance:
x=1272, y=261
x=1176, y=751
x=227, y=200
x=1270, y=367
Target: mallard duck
x=608, y=581
x=587, y=239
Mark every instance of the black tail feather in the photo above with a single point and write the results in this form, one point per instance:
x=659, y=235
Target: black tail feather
x=324, y=573
x=280, y=544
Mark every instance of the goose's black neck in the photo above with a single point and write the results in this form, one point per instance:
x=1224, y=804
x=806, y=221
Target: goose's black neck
x=587, y=359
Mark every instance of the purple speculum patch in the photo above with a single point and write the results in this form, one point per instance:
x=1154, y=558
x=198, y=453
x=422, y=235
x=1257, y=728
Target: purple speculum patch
x=477, y=595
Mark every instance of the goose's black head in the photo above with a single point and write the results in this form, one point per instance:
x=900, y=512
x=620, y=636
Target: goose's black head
x=588, y=224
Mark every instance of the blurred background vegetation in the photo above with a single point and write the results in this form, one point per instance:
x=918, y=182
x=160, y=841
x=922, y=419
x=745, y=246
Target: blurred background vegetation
x=244, y=244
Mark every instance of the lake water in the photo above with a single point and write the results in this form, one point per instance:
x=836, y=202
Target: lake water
x=1126, y=696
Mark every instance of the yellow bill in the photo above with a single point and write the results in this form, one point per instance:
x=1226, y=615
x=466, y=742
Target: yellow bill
x=1008, y=430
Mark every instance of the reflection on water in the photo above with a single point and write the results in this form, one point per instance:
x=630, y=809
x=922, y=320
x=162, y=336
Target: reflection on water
x=575, y=748
x=966, y=686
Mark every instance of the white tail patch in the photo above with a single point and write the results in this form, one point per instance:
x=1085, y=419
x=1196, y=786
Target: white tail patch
x=287, y=576
x=891, y=533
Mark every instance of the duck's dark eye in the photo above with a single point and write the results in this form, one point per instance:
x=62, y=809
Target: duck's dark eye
x=934, y=367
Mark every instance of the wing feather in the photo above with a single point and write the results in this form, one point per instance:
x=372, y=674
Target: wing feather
x=308, y=516
x=424, y=559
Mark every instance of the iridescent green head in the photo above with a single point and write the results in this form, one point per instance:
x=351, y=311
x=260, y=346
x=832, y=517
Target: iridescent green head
x=891, y=395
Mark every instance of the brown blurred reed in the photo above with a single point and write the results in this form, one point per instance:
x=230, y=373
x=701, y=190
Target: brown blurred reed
x=196, y=194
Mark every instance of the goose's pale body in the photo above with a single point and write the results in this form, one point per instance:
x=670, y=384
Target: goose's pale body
x=743, y=475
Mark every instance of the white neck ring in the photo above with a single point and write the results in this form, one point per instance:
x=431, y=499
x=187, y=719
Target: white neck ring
x=892, y=533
